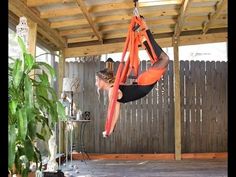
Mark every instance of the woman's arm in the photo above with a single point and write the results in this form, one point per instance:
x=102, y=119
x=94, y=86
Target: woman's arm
x=116, y=112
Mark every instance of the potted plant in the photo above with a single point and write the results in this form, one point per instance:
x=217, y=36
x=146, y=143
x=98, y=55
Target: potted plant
x=34, y=109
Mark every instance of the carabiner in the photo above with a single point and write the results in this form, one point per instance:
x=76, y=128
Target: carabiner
x=136, y=12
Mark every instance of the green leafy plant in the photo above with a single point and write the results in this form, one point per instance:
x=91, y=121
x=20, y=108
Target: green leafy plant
x=34, y=109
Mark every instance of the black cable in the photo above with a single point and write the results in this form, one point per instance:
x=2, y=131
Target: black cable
x=135, y=1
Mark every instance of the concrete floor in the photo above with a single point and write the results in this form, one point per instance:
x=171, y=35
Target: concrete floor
x=145, y=168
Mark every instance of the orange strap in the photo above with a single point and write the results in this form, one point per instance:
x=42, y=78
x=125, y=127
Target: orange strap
x=132, y=42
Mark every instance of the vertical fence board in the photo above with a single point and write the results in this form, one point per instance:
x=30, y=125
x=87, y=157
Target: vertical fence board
x=171, y=108
x=201, y=89
x=188, y=106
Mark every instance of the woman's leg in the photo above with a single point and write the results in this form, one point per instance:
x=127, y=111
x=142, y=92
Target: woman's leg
x=154, y=73
x=163, y=58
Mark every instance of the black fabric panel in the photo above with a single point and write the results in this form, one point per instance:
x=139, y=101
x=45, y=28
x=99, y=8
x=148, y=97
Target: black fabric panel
x=148, y=48
x=134, y=92
x=157, y=49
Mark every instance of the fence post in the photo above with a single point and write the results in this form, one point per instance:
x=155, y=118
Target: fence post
x=177, y=114
x=61, y=73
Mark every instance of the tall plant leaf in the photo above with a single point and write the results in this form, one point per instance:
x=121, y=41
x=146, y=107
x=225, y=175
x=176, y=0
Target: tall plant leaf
x=21, y=44
x=11, y=145
x=32, y=129
x=28, y=91
x=22, y=123
x=17, y=73
x=52, y=94
x=29, y=62
x=48, y=67
x=61, y=111
x=41, y=91
x=44, y=79
x=12, y=106
x=29, y=149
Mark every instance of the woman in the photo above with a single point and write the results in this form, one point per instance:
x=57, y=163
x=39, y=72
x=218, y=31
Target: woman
x=145, y=82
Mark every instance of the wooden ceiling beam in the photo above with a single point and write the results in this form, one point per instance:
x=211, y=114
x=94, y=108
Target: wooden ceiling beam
x=110, y=31
x=110, y=28
x=76, y=11
x=130, y=5
x=54, y=13
x=115, y=34
x=20, y=9
x=119, y=34
x=127, y=18
x=188, y=27
x=107, y=19
x=34, y=3
x=199, y=10
x=213, y=16
x=182, y=14
x=82, y=39
x=104, y=28
x=190, y=38
x=75, y=31
x=86, y=14
x=68, y=23
x=202, y=18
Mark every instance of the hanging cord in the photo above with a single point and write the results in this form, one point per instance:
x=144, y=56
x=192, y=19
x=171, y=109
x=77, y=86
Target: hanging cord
x=136, y=12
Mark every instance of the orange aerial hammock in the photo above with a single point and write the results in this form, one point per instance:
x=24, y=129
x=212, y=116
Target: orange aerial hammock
x=136, y=31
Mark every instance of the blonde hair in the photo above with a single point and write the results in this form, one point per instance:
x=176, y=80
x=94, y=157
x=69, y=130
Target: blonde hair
x=106, y=75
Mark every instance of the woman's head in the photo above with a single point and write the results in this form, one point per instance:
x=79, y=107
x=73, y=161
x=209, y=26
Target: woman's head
x=104, y=77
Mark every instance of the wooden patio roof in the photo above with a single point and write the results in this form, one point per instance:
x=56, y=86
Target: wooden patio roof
x=92, y=27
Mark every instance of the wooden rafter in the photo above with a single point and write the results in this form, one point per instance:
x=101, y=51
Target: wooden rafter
x=89, y=18
x=34, y=3
x=164, y=42
x=122, y=33
x=212, y=17
x=104, y=19
x=53, y=13
x=156, y=26
x=60, y=12
x=181, y=17
x=67, y=23
x=76, y=31
x=111, y=31
x=81, y=39
x=99, y=8
x=20, y=9
x=130, y=5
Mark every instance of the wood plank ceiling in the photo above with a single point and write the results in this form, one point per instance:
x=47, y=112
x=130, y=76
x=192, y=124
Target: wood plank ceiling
x=90, y=27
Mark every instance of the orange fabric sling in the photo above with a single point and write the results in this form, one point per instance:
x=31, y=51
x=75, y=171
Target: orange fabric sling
x=133, y=40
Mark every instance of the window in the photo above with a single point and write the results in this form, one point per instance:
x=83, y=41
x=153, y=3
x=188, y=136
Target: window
x=13, y=47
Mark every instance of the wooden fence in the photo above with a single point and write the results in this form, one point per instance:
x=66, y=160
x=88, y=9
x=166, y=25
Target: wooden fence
x=147, y=125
